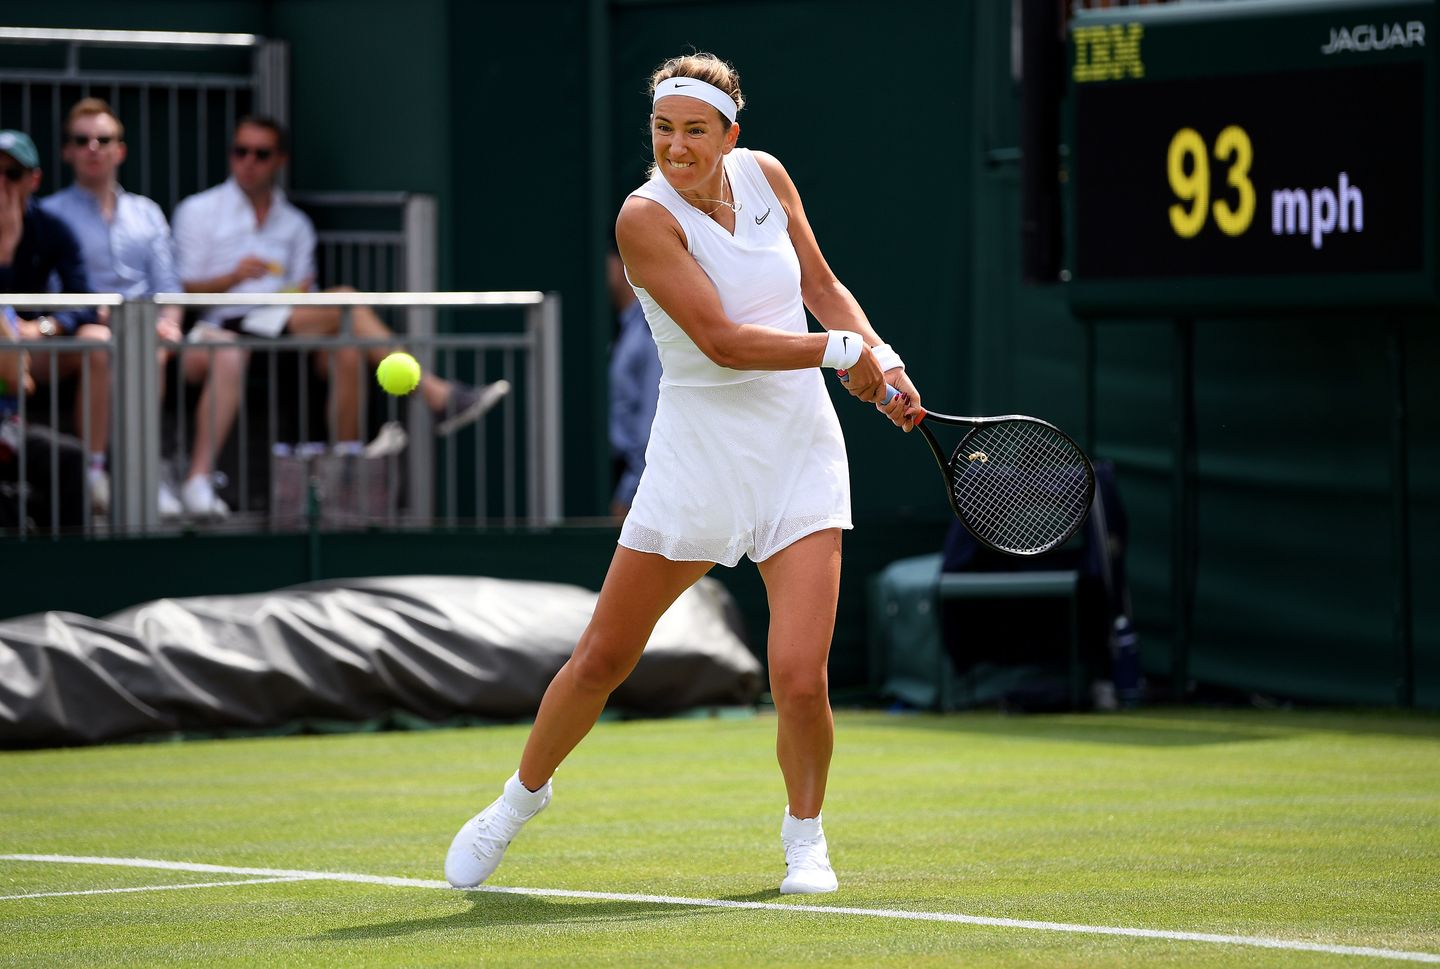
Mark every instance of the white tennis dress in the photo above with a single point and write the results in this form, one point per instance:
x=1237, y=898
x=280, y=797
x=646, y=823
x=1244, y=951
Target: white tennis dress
x=740, y=462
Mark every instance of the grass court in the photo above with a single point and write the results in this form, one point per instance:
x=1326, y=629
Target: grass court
x=1224, y=838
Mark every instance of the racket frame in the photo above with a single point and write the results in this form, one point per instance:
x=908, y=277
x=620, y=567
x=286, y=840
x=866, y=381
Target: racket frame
x=947, y=472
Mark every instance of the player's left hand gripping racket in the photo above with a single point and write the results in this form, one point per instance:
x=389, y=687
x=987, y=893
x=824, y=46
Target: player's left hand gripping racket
x=1018, y=484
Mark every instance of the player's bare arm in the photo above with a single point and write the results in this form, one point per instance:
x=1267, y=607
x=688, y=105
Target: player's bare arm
x=652, y=245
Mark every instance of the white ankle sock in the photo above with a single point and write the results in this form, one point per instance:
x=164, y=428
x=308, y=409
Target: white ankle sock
x=793, y=827
x=523, y=800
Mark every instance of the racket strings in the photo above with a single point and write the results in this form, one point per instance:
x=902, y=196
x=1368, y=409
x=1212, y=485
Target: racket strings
x=1021, y=486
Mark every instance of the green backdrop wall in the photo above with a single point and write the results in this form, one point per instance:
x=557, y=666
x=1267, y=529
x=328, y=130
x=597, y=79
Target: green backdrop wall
x=899, y=123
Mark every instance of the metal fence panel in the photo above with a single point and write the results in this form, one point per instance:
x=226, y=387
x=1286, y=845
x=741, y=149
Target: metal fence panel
x=510, y=457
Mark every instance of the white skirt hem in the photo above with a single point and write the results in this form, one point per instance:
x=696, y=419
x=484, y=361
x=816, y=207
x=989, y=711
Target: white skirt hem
x=729, y=561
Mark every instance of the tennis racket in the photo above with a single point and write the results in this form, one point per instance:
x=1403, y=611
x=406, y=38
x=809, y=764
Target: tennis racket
x=1018, y=484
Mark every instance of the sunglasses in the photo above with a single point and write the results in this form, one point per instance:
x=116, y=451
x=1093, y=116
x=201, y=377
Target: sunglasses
x=14, y=174
x=83, y=141
x=244, y=151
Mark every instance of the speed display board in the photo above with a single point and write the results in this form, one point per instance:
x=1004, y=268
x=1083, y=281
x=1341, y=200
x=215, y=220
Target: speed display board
x=1252, y=154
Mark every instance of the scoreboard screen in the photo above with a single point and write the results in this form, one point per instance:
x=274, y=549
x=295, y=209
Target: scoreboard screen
x=1252, y=154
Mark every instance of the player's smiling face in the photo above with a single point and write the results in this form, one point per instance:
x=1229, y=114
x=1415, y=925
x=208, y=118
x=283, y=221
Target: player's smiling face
x=689, y=139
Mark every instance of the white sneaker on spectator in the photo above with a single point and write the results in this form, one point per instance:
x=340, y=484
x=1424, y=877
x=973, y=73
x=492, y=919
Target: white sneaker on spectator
x=391, y=439
x=199, y=498
x=807, y=857
x=467, y=404
x=479, y=845
x=98, y=480
x=168, y=502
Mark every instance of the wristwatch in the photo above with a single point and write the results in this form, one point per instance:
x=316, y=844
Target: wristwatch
x=46, y=326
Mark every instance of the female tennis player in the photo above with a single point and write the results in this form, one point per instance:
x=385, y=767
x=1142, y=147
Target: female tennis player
x=745, y=455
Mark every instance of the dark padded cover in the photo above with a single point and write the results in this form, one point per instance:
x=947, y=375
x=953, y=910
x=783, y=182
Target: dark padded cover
x=436, y=646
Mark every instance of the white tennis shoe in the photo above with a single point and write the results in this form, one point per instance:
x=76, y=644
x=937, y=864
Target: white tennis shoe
x=807, y=858
x=480, y=844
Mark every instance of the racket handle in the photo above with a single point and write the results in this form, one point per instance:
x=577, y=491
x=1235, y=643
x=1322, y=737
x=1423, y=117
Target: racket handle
x=890, y=392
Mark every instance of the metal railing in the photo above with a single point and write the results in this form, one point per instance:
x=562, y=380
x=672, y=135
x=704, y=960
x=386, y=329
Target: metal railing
x=374, y=250
x=179, y=96
x=179, y=115
x=528, y=444
x=43, y=363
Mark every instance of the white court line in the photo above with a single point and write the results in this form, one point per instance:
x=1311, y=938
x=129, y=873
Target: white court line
x=153, y=888
x=1262, y=942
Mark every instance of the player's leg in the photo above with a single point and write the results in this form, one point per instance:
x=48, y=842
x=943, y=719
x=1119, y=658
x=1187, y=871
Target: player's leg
x=638, y=589
x=802, y=582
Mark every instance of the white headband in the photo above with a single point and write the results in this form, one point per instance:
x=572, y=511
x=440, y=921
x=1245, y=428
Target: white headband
x=693, y=87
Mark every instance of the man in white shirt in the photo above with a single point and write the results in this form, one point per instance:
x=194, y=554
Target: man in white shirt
x=125, y=243
x=244, y=236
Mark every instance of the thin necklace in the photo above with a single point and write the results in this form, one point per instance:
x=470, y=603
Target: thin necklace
x=732, y=206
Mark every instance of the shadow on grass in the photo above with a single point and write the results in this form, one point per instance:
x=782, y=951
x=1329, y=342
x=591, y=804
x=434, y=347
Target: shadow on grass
x=489, y=909
x=771, y=894
x=1178, y=726
x=493, y=909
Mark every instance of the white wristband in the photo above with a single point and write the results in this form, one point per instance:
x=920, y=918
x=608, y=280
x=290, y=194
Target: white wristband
x=887, y=357
x=843, y=349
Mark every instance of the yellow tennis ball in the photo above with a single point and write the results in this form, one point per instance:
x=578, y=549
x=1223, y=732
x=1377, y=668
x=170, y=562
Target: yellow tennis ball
x=398, y=374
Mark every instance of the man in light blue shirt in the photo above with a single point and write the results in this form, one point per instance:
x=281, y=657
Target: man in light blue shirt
x=124, y=238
